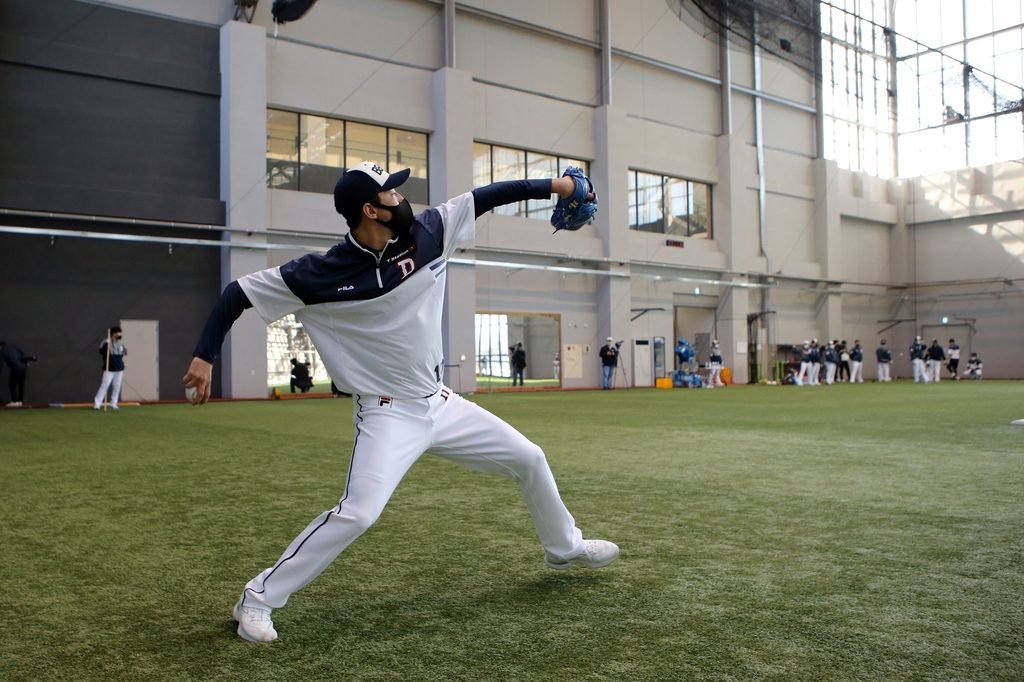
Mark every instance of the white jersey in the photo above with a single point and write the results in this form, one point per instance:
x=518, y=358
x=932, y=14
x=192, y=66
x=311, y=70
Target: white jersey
x=374, y=318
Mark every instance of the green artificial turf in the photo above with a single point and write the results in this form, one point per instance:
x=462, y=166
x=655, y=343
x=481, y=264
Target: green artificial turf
x=870, y=532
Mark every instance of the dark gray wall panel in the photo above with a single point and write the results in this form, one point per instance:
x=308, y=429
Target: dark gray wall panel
x=108, y=112
x=58, y=301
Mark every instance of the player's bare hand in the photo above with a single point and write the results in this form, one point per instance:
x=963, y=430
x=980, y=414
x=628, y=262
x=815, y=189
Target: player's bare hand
x=199, y=376
x=565, y=186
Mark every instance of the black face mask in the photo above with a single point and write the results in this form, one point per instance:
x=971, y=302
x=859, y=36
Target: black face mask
x=401, y=218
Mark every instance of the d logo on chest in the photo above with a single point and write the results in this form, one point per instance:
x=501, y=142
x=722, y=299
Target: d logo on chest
x=406, y=265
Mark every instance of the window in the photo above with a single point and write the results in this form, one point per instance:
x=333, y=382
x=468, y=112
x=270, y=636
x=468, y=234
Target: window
x=287, y=339
x=959, y=66
x=492, y=346
x=666, y=205
x=856, y=86
x=493, y=163
x=309, y=153
x=956, y=100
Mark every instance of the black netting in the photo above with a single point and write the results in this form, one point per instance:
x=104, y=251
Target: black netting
x=786, y=29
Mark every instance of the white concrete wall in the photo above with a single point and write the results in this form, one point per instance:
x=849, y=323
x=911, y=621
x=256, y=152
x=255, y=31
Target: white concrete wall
x=845, y=249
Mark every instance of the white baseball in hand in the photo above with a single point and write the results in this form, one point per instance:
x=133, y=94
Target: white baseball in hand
x=192, y=394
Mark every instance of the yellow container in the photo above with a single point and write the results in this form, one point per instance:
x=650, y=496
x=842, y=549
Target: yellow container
x=663, y=383
x=726, y=375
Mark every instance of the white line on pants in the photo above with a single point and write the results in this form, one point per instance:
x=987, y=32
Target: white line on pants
x=391, y=434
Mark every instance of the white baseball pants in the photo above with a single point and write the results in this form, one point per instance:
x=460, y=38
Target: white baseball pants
x=109, y=378
x=856, y=372
x=815, y=374
x=883, y=371
x=805, y=367
x=830, y=373
x=391, y=434
x=920, y=373
x=934, y=370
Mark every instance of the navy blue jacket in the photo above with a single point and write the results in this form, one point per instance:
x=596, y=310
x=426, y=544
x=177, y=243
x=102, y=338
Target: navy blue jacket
x=314, y=278
x=13, y=356
x=883, y=354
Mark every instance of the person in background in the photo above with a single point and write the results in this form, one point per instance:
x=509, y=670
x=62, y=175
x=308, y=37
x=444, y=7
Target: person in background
x=831, y=362
x=609, y=360
x=300, y=376
x=17, y=362
x=953, y=356
x=112, y=351
x=815, y=363
x=884, y=360
x=805, y=364
x=715, y=364
x=974, y=367
x=857, y=362
x=917, y=351
x=556, y=367
x=844, y=361
x=518, y=363
x=935, y=357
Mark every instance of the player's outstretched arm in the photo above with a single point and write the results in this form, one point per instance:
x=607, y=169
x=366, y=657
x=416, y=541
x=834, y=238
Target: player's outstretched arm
x=496, y=194
x=232, y=302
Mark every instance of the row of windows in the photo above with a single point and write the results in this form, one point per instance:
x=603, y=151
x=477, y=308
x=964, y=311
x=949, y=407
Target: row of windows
x=492, y=163
x=663, y=204
x=308, y=153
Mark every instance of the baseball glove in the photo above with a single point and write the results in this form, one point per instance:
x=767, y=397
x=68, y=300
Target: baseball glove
x=576, y=211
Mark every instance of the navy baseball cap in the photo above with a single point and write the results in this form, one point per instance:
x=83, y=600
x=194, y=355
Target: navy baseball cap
x=361, y=183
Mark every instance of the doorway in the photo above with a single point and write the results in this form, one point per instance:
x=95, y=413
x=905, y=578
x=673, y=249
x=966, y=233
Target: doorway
x=497, y=338
x=142, y=361
x=699, y=327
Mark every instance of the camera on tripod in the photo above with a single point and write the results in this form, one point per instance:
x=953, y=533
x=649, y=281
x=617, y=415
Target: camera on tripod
x=618, y=344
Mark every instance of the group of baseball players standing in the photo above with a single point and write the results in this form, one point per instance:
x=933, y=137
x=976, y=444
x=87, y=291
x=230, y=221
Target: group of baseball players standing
x=835, y=361
x=822, y=364
x=927, y=361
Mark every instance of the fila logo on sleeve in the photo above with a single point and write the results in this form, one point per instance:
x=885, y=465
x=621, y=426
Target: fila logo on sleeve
x=384, y=402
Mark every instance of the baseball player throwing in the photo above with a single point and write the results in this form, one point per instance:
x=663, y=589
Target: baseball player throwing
x=372, y=306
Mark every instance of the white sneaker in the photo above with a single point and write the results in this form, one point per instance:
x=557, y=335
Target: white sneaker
x=254, y=623
x=598, y=553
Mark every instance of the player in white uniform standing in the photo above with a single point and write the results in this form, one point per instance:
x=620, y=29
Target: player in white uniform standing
x=372, y=306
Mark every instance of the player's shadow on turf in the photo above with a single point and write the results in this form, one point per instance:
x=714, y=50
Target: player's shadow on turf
x=401, y=615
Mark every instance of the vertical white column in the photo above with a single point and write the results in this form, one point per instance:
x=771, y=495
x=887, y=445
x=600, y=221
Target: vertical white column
x=827, y=244
x=451, y=174
x=735, y=228
x=609, y=173
x=243, y=134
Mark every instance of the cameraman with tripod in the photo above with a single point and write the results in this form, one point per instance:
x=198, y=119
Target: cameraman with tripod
x=609, y=360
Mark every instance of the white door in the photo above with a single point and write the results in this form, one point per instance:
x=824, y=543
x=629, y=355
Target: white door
x=142, y=360
x=642, y=373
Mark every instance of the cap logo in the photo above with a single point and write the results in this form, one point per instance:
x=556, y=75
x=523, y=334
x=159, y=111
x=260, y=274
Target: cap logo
x=376, y=169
